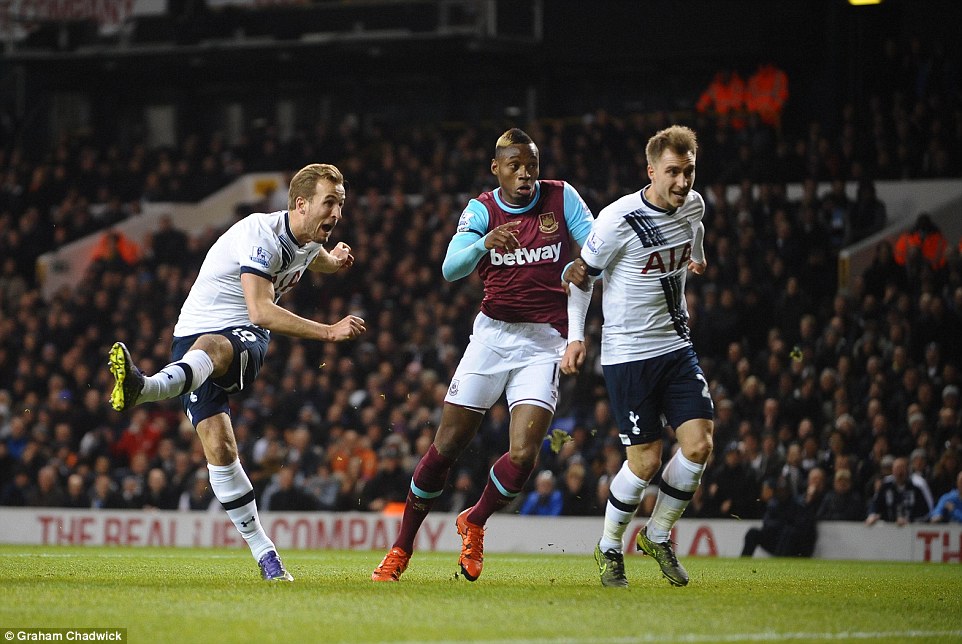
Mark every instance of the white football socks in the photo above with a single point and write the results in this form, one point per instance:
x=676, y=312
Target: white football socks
x=624, y=495
x=170, y=381
x=678, y=483
x=236, y=493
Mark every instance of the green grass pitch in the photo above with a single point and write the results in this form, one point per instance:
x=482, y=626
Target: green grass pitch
x=181, y=595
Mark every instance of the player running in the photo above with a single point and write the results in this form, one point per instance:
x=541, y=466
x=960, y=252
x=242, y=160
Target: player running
x=519, y=237
x=221, y=337
x=642, y=246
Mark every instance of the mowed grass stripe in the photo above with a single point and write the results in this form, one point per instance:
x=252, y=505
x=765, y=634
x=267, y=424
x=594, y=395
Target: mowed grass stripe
x=170, y=595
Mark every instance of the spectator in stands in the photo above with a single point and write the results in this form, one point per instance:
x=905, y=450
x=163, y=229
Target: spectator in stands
x=577, y=497
x=325, y=486
x=115, y=251
x=285, y=494
x=884, y=273
x=462, y=494
x=104, y=494
x=198, y=496
x=167, y=243
x=784, y=528
x=842, y=502
x=732, y=487
x=918, y=468
x=12, y=284
x=48, y=493
x=949, y=506
x=724, y=98
x=944, y=472
x=76, y=496
x=140, y=436
x=545, y=500
x=132, y=492
x=897, y=500
x=390, y=484
x=924, y=239
x=19, y=491
x=805, y=529
x=867, y=214
x=158, y=495
x=766, y=94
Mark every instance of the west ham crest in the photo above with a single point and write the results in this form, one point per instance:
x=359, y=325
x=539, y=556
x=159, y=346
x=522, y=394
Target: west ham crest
x=547, y=222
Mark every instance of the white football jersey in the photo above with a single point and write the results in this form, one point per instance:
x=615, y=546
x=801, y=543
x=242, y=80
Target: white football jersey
x=643, y=253
x=261, y=243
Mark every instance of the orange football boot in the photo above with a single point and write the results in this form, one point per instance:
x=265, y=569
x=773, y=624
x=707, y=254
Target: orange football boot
x=472, y=546
x=394, y=563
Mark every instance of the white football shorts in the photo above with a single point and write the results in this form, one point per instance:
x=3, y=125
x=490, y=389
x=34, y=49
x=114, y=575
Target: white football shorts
x=521, y=359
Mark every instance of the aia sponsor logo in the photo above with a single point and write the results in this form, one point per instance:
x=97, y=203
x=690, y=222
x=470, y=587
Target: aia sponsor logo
x=668, y=260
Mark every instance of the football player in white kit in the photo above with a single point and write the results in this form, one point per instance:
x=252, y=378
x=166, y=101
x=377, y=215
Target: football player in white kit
x=518, y=237
x=642, y=247
x=224, y=327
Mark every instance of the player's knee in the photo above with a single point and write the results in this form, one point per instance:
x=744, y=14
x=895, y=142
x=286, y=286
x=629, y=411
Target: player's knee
x=222, y=455
x=644, y=463
x=523, y=457
x=451, y=444
x=227, y=451
x=219, y=349
x=698, y=450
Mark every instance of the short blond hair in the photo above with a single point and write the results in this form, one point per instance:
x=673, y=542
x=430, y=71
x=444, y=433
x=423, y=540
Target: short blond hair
x=514, y=136
x=677, y=138
x=304, y=183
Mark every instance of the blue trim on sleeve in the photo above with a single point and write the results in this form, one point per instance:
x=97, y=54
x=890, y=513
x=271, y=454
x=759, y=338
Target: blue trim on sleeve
x=479, y=216
x=254, y=271
x=464, y=252
x=577, y=215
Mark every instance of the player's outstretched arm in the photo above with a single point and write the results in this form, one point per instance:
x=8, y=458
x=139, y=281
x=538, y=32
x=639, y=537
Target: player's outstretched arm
x=468, y=247
x=576, y=273
x=347, y=328
x=265, y=313
x=334, y=260
x=698, y=263
x=574, y=356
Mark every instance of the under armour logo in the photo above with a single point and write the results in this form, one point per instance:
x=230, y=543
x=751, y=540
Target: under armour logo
x=244, y=523
x=634, y=418
x=169, y=377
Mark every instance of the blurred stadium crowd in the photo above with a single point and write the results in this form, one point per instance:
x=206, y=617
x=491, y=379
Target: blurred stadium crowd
x=804, y=378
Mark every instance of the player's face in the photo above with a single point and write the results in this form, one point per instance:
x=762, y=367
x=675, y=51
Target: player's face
x=672, y=176
x=517, y=168
x=323, y=212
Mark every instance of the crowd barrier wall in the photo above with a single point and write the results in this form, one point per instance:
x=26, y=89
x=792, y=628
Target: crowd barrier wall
x=937, y=543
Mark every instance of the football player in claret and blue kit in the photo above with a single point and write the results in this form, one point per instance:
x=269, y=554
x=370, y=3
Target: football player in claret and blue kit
x=519, y=237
